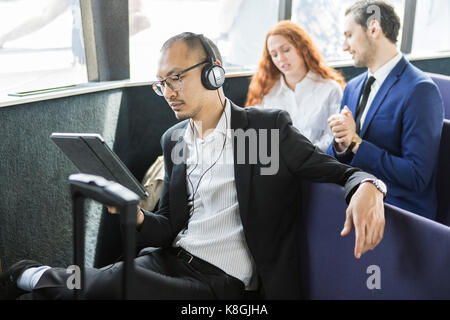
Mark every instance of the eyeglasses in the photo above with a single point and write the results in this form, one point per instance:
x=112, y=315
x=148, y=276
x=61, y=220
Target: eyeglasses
x=174, y=81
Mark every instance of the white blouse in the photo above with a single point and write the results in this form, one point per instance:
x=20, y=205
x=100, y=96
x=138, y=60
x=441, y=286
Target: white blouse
x=314, y=100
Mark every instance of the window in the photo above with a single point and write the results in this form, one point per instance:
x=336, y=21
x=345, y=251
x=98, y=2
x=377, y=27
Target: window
x=432, y=26
x=238, y=27
x=41, y=45
x=324, y=22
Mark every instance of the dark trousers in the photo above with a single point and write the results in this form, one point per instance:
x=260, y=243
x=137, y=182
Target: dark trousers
x=159, y=274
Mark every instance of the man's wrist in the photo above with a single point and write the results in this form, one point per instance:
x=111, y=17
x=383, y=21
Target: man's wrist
x=351, y=148
x=380, y=185
x=140, y=218
x=356, y=142
x=355, y=149
x=338, y=147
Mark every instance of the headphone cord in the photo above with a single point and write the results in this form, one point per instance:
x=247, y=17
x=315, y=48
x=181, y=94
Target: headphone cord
x=191, y=211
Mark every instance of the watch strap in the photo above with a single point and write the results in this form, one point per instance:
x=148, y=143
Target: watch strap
x=350, y=148
x=377, y=183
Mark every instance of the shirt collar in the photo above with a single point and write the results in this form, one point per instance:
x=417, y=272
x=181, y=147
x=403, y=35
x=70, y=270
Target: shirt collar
x=310, y=76
x=223, y=126
x=283, y=85
x=385, y=70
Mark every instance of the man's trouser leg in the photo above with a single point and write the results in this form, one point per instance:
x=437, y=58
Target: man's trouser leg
x=158, y=275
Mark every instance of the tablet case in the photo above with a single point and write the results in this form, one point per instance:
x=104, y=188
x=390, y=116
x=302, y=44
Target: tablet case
x=91, y=155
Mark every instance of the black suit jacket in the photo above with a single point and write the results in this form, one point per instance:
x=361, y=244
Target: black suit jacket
x=269, y=205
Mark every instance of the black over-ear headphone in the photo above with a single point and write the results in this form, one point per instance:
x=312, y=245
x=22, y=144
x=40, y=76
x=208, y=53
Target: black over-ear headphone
x=213, y=75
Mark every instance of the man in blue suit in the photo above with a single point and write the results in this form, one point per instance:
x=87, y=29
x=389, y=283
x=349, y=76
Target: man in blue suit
x=391, y=116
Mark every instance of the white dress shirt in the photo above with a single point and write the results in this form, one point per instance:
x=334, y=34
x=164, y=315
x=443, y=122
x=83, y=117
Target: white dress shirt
x=215, y=232
x=379, y=76
x=311, y=104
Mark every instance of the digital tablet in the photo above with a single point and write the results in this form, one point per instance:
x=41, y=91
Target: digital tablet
x=91, y=155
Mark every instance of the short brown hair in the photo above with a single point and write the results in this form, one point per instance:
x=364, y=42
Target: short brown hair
x=390, y=21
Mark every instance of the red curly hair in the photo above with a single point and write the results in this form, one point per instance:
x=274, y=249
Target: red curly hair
x=268, y=74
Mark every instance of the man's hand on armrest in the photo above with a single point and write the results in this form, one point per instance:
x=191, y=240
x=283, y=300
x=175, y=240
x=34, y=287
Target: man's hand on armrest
x=366, y=213
x=140, y=215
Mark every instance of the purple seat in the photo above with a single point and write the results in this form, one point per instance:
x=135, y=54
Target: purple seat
x=443, y=177
x=413, y=257
x=443, y=83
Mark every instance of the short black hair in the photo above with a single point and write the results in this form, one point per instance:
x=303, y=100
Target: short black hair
x=364, y=10
x=192, y=40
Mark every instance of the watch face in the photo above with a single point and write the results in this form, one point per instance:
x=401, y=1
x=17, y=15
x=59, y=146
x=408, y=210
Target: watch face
x=380, y=186
x=357, y=139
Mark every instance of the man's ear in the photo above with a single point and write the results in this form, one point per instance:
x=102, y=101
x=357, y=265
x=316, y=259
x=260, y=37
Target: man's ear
x=374, y=29
x=218, y=62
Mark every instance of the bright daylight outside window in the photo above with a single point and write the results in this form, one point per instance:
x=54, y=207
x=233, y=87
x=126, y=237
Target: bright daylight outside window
x=432, y=26
x=238, y=27
x=324, y=22
x=41, y=45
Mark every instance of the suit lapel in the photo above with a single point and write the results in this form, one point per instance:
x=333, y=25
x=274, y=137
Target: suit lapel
x=390, y=81
x=242, y=172
x=177, y=188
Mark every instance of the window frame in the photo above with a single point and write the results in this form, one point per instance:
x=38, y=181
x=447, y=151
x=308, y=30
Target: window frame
x=104, y=64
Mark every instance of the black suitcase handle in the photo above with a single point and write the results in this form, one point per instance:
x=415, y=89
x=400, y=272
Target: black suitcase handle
x=85, y=186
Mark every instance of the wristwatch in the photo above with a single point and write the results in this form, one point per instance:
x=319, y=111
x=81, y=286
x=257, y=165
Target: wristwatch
x=378, y=184
x=356, y=140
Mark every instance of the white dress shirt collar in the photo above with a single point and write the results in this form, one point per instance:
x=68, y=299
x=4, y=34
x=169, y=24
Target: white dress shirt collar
x=382, y=73
x=380, y=77
x=222, y=126
x=310, y=76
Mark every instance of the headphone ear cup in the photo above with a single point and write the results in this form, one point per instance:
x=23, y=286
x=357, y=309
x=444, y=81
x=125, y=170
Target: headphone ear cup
x=219, y=75
x=213, y=76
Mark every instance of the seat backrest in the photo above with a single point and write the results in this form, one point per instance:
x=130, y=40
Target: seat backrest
x=443, y=83
x=443, y=177
x=411, y=262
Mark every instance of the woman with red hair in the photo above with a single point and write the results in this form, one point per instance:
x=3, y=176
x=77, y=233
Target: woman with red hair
x=293, y=76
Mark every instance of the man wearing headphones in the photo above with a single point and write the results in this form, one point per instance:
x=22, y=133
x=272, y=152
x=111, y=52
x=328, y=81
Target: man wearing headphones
x=223, y=227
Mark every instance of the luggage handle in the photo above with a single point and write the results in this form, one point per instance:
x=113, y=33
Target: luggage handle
x=85, y=186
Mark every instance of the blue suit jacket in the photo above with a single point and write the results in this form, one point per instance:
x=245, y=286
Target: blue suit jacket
x=401, y=136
